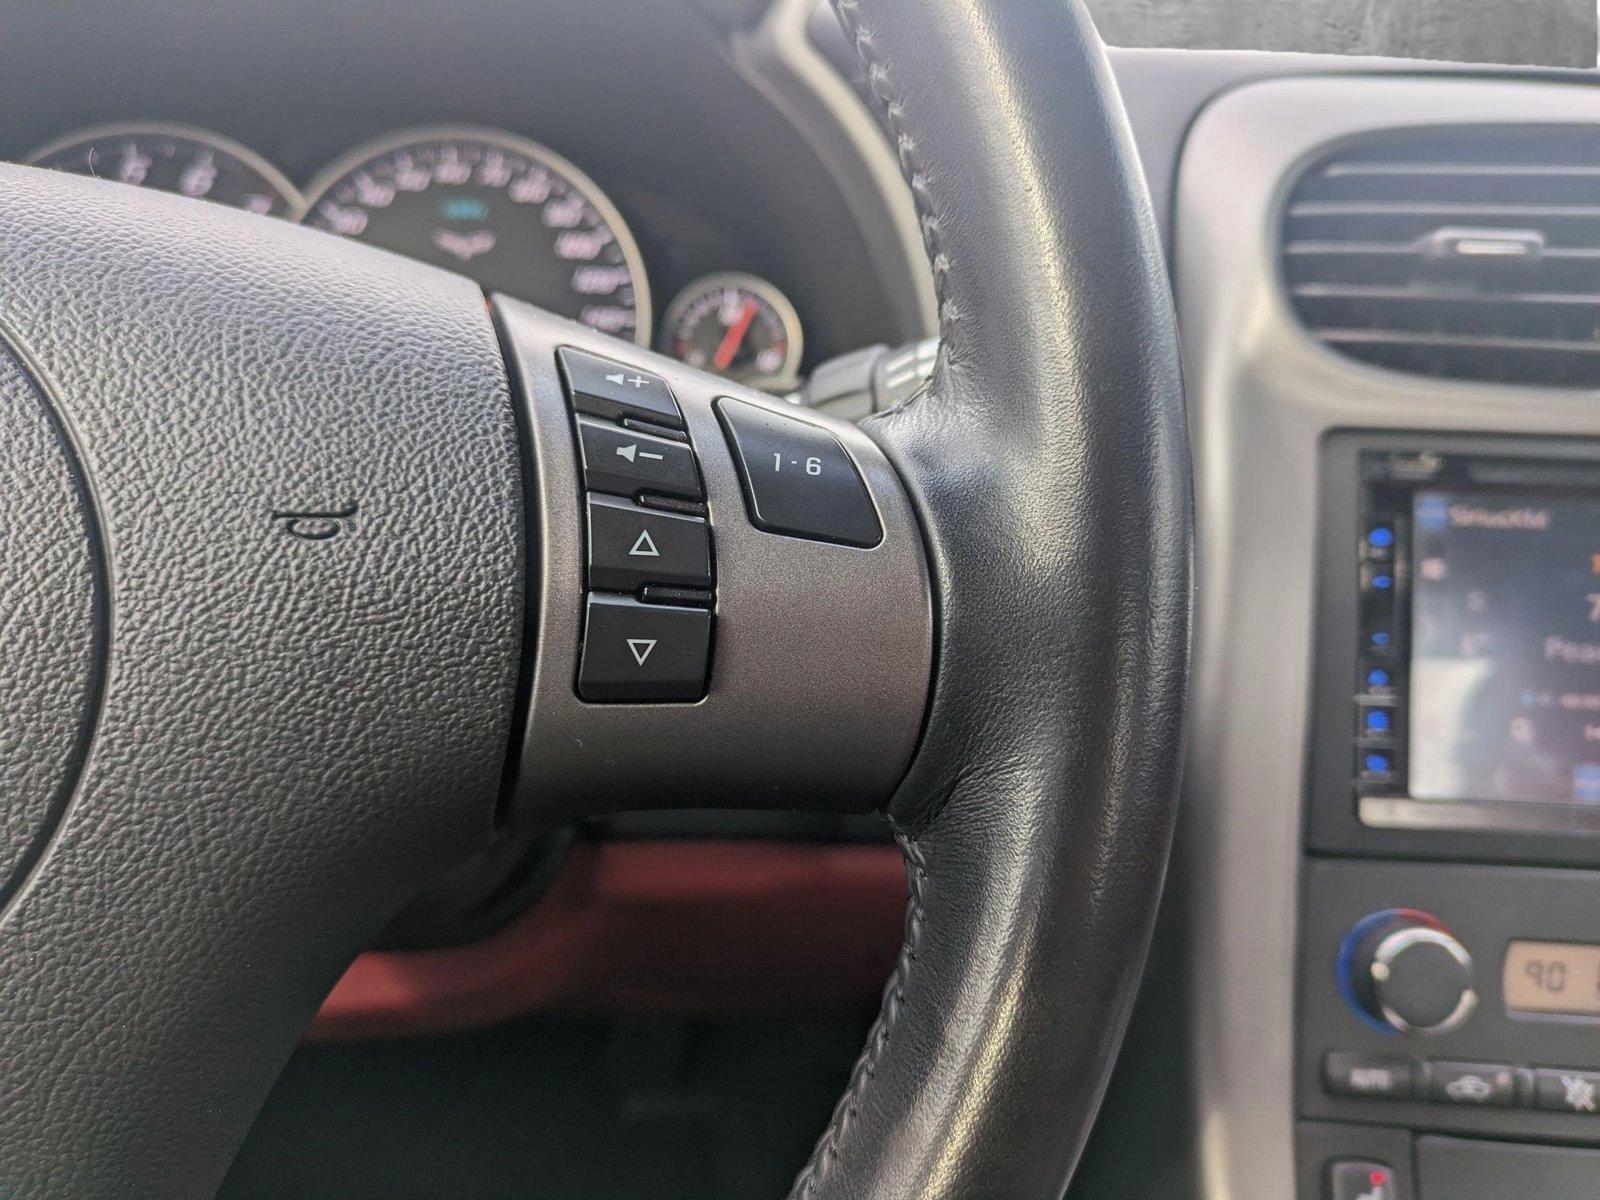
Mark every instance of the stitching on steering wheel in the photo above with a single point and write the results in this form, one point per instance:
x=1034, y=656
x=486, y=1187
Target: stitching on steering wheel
x=916, y=177
x=894, y=1001
x=827, y=1150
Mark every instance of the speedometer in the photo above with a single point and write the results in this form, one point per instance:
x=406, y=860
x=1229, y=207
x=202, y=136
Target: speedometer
x=506, y=211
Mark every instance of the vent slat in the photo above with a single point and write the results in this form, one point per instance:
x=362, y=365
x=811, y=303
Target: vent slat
x=1306, y=248
x=1408, y=293
x=1459, y=341
x=1459, y=252
x=1340, y=170
x=1440, y=183
x=1444, y=210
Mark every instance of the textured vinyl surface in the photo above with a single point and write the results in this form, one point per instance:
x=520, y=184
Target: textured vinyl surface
x=305, y=716
x=52, y=618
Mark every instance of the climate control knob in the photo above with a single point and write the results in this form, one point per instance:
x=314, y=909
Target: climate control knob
x=1403, y=971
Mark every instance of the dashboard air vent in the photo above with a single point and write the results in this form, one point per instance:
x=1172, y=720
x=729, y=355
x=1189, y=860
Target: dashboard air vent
x=1459, y=252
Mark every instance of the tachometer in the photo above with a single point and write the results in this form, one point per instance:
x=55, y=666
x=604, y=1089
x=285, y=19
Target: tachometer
x=737, y=325
x=506, y=211
x=174, y=158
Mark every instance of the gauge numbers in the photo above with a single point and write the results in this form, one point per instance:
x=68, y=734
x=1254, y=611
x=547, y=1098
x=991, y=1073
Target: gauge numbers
x=503, y=210
x=175, y=158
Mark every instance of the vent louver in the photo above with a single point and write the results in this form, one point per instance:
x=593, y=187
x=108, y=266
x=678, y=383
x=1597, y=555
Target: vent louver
x=1459, y=252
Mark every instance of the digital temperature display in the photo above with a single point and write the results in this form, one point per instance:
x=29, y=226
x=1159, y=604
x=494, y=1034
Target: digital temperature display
x=1557, y=978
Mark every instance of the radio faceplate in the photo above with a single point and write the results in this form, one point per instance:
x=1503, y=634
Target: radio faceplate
x=1457, y=703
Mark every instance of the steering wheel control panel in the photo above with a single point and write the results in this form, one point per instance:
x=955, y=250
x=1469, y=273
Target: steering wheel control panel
x=718, y=571
x=650, y=577
x=647, y=620
x=1449, y=976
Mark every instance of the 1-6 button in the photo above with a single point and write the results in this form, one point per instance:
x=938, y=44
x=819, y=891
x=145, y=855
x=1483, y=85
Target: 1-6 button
x=797, y=478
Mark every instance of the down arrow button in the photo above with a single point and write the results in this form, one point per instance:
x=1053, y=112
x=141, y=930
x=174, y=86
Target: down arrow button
x=643, y=652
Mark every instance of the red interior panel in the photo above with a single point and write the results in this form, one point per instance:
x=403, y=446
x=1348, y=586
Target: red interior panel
x=690, y=927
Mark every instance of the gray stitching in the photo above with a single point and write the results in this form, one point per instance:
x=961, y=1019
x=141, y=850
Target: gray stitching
x=892, y=113
x=866, y=1068
x=848, y=1109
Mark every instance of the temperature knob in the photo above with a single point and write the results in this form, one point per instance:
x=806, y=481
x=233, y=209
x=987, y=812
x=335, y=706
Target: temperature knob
x=1403, y=971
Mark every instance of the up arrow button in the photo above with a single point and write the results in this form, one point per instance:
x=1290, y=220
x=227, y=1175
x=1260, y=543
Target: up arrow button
x=631, y=546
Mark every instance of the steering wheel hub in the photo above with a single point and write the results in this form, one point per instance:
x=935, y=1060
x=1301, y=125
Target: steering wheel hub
x=52, y=597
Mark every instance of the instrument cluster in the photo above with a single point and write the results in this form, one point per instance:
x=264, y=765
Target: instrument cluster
x=500, y=208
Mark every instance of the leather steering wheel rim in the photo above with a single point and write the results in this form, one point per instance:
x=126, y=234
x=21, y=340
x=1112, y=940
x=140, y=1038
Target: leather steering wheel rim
x=1036, y=820
x=274, y=578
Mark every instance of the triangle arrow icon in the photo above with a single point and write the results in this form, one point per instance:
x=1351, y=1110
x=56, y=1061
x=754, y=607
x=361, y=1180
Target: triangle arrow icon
x=644, y=547
x=641, y=648
x=628, y=451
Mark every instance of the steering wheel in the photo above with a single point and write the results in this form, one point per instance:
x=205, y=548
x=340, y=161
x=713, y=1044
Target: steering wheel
x=311, y=582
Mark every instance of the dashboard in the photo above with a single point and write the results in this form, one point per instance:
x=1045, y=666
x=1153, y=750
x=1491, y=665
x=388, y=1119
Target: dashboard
x=1389, y=847
x=614, y=164
x=1376, y=969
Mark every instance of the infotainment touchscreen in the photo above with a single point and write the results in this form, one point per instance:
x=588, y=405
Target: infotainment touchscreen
x=1504, y=698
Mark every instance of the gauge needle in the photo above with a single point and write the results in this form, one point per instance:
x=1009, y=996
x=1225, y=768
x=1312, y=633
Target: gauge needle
x=735, y=335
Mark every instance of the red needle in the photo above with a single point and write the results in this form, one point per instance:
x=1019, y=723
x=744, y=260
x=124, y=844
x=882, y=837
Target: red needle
x=735, y=335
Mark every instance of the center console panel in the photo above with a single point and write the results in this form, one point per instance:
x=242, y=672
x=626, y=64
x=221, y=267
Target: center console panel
x=1448, y=1000
x=1287, y=848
